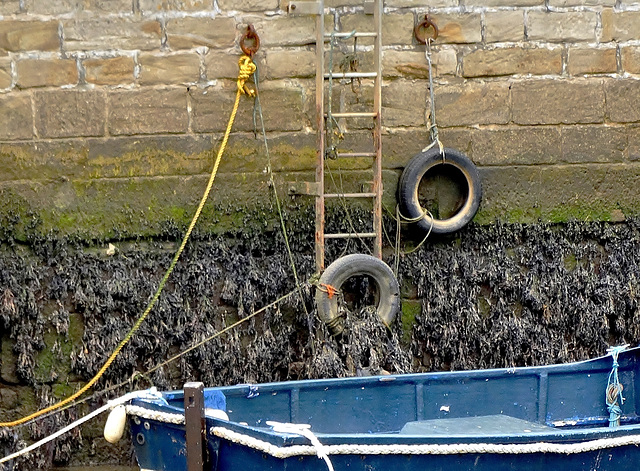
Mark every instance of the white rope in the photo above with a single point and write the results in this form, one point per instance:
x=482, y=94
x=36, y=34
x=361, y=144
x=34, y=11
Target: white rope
x=305, y=431
x=398, y=449
x=108, y=406
x=158, y=416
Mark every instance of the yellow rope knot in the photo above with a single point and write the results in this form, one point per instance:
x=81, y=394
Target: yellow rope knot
x=247, y=69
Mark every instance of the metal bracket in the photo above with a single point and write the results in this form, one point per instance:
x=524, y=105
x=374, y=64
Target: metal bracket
x=304, y=188
x=304, y=8
x=369, y=7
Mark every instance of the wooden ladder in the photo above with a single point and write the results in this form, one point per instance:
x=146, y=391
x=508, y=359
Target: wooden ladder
x=324, y=77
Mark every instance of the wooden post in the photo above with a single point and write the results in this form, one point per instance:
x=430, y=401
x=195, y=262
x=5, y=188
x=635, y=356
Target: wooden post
x=195, y=425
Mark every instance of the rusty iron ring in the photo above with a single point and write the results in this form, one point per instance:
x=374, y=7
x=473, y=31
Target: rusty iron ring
x=252, y=35
x=421, y=28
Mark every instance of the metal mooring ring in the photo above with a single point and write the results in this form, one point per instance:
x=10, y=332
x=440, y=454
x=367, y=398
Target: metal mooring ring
x=253, y=36
x=420, y=30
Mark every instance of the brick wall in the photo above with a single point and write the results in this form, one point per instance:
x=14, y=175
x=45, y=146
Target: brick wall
x=126, y=98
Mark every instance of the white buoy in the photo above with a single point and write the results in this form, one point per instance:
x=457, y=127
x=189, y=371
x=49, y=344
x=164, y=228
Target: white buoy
x=114, y=428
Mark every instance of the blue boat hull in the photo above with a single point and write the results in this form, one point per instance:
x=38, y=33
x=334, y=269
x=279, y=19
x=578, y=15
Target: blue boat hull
x=491, y=420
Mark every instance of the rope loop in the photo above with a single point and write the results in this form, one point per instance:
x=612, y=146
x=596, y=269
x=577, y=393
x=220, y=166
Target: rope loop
x=614, y=388
x=247, y=69
x=305, y=431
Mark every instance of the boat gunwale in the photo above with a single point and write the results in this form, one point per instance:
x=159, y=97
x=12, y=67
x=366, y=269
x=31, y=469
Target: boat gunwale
x=417, y=378
x=583, y=432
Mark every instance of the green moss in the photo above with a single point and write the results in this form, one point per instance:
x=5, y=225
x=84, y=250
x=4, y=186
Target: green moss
x=411, y=309
x=62, y=391
x=570, y=262
x=586, y=211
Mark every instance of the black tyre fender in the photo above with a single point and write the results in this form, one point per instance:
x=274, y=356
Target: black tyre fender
x=347, y=267
x=413, y=173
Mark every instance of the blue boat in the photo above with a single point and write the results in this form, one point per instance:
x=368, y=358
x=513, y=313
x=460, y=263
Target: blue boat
x=577, y=416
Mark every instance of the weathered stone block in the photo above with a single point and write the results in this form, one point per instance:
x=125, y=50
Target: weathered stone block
x=148, y=111
x=6, y=78
x=458, y=28
x=187, y=33
x=19, y=36
x=413, y=64
x=419, y=3
x=511, y=61
x=594, y=143
x=9, y=7
x=576, y=3
x=155, y=6
x=69, y=113
x=46, y=72
x=558, y=101
x=169, y=69
x=8, y=397
x=282, y=107
x=630, y=59
x=591, y=60
x=620, y=25
x=472, y=103
x=517, y=145
x=290, y=63
x=504, y=3
x=112, y=157
x=400, y=108
x=561, y=26
x=220, y=65
x=16, y=120
x=559, y=193
x=623, y=100
x=396, y=28
x=8, y=367
x=109, y=32
x=248, y=5
x=59, y=7
x=289, y=152
x=503, y=26
x=634, y=142
x=400, y=145
x=109, y=71
x=288, y=31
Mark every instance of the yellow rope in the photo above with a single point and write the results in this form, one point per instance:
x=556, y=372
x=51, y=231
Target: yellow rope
x=246, y=69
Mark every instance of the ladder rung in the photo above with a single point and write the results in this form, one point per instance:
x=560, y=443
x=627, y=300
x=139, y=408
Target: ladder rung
x=347, y=155
x=350, y=235
x=354, y=115
x=350, y=74
x=357, y=34
x=350, y=195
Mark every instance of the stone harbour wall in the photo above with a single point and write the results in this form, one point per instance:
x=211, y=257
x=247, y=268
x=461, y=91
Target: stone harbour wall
x=110, y=115
x=108, y=106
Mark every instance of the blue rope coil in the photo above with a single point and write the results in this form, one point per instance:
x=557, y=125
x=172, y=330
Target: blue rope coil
x=614, y=388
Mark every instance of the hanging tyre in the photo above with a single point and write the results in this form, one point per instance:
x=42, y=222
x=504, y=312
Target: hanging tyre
x=344, y=268
x=457, y=166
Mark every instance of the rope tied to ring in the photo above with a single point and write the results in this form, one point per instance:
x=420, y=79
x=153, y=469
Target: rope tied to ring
x=247, y=69
x=614, y=388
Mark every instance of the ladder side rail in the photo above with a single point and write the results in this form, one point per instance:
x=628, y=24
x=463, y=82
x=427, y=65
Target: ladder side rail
x=377, y=133
x=320, y=140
